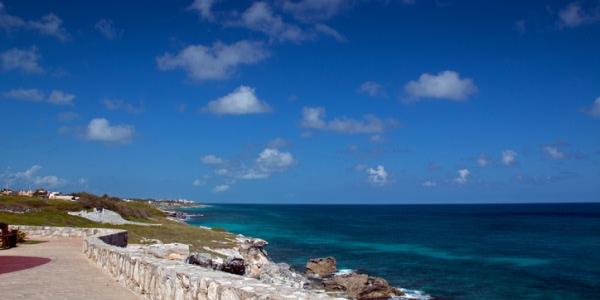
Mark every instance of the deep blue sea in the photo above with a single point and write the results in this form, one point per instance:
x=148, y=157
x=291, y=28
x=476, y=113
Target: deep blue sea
x=529, y=251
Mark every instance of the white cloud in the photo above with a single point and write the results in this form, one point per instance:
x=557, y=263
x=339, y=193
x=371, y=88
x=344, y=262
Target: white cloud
x=594, y=110
x=24, y=60
x=429, y=183
x=241, y=101
x=314, y=10
x=575, y=15
x=204, y=8
x=314, y=118
x=56, y=97
x=219, y=61
x=198, y=182
x=268, y=162
x=106, y=28
x=118, y=104
x=260, y=17
x=271, y=160
x=463, y=176
x=554, y=152
x=328, y=30
x=444, y=85
x=30, y=177
x=278, y=143
x=221, y=188
x=99, y=129
x=25, y=94
x=212, y=160
x=372, y=89
x=377, y=175
x=60, y=98
x=483, y=160
x=49, y=24
x=509, y=157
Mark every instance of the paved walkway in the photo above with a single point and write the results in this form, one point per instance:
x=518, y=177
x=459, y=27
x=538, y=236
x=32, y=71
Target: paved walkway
x=68, y=275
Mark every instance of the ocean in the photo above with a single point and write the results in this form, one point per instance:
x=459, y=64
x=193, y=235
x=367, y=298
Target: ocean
x=508, y=251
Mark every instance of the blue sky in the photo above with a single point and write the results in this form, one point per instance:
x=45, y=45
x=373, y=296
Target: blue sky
x=286, y=101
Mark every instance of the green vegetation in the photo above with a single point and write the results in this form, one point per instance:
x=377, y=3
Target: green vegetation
x=52, y=212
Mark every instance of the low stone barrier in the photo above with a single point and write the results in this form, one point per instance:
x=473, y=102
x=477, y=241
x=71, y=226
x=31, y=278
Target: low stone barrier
x=155, y=278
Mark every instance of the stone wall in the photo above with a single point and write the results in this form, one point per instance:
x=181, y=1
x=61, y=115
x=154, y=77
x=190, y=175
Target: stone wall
x=155, y=278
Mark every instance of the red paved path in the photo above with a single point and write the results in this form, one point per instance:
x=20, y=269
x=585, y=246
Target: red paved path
x=17, y=263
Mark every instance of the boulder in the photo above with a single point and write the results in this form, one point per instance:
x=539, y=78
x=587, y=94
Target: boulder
x=173, y=251
x=253, y=252
x=234, y=265
x=321, y=267
x=361, y=286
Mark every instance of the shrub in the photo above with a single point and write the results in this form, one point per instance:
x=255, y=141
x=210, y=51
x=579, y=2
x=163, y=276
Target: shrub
x=21, y=236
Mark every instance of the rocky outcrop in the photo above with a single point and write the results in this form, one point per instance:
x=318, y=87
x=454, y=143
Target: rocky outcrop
x=173, y=251
x=321, y=267
x=254, y=254
x=361, y=286
x=233, y=264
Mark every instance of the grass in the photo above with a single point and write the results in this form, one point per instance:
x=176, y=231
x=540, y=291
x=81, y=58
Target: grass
x=52, y=212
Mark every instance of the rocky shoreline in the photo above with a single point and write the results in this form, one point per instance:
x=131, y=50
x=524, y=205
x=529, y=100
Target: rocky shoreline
x=249, y=258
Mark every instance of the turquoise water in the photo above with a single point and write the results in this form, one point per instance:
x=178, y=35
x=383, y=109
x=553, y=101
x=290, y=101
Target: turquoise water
x=538, y=251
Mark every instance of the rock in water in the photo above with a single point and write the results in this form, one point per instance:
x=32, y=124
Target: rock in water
x=321, y=267
x=361, y=286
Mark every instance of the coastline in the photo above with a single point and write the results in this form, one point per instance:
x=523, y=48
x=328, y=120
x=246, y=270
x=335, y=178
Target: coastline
x=337, y=283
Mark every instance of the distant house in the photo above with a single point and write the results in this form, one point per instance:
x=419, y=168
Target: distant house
x=6, y=192
x=41, y=193
x=57, y=195
x=27, y=193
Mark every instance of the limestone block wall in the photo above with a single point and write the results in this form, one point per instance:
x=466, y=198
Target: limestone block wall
x=155, y=278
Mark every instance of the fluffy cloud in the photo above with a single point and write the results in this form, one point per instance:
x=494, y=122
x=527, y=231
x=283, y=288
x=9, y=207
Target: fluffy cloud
x=56, y=97
x=107, y=29
x=483, y=160
x=314, y=118
x=49, y=24
x=594, y=110
x=25, y=94
x=508, y=157
x=272, y=160
x=221, y=188
x=60, y=98
x=553, y=152
x=241, y=101
x=100, y=129
x=216, y=62
x=429, y=183
x=30, y=177
x=314, y=10
x=24, y=60
x=463, y=176
x=444, y=85
x=372, y=89
x=377, y=175
x=260, y=17
x=204, y=8
x=212, y=160
x=575, y=15
x=268, y=162
x=118, y=104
